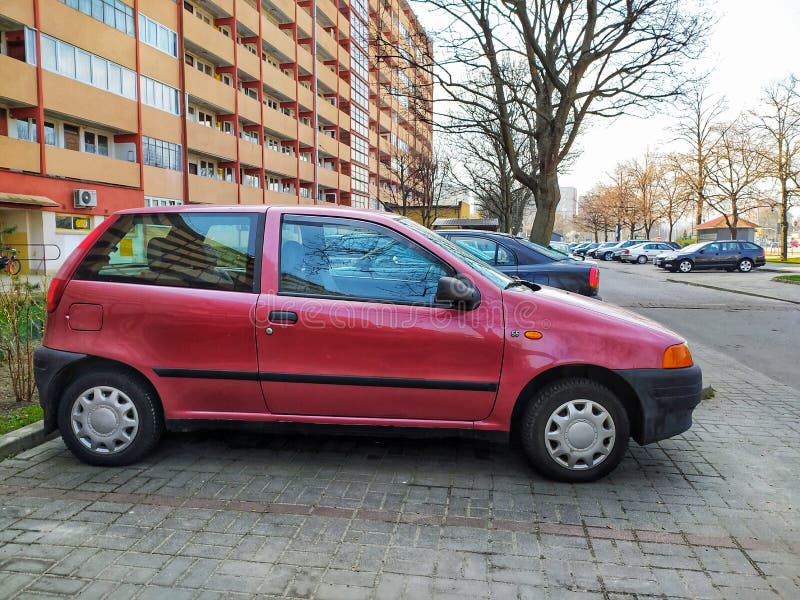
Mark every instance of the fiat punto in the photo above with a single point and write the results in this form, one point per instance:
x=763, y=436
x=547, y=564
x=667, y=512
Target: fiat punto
x=177, y=317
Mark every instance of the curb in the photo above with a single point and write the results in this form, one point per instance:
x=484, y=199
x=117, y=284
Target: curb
x=24, y=438
x=722, y=289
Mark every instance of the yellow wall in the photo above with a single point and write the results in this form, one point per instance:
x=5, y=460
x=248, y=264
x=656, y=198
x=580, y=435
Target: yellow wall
x=462, y=211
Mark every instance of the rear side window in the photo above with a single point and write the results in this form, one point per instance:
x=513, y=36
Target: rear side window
x=750, y=246
x=730, y=246
x=215, y=251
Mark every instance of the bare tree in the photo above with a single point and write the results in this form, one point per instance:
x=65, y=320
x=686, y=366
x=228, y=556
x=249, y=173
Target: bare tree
x=734, y=169
x=596, y=211
x=642, y=177
x=698, y=125
x=675, y=193
x=434, y=174
x=580, y=59
x=778, y=120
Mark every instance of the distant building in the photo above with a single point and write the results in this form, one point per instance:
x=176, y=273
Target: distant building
x=447, y=209
x=489, y=224
x=568, y=206
x=717, y=229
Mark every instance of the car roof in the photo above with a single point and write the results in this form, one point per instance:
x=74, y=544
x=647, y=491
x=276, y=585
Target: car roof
x=261, y=208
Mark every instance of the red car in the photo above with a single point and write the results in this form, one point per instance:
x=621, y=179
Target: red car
x=176, y=317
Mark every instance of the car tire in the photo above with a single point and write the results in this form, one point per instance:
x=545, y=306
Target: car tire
x=685, y=266
x=110, y=417
x=745, y=265
x=575, y=430
x=641, y=259
x=608, y=256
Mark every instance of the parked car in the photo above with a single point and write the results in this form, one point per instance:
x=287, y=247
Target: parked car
x=599, y=251
x=562, y=247
x=642, y=253
x=584, y=250
x=616, y=251
x=182, y=317
x=729, y=255
x=519, y=257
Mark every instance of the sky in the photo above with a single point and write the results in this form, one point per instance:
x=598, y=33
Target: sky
x=748, y=48
x=751, y=44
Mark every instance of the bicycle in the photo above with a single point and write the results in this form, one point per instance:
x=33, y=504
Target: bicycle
x=10, y=262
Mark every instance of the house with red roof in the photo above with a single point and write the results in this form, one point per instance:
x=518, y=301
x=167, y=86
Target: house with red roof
x=718, y=229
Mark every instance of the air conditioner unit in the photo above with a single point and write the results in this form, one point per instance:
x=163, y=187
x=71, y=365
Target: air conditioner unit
x=84, y=198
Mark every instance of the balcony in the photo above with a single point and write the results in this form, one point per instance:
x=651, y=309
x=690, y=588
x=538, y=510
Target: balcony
x=211, y=191
x=160, y=66
x=277, y=122
x=248, y=62
x=276, y=81
x=207, y=37
x=328, y=144
x=247, y=15
x=285, y=7
x=328, y=10
x=306, y=136
x=249, y=108
x=278, y=162
x=303, y=22
x=61, y=21
x=22, y=12
x=250, y=195
x=277, y=39
x=210, y=141
x=306, y=98
x=163, y=183
x=328, y=178
x=91, y=167
x=73, y=98
x=306, y=171
x=327, y=43
x=225, y=6
x=161, y=125
x=19, y=81
x=327, y=78
x=210, y=90
x=19, y=155
x=327, y=112
x=250, y=153
x=305, y=59
x=163, y=12
x=279, y=198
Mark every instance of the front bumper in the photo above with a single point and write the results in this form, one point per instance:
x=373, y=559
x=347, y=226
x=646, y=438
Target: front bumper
x=48, y=367
x=667, y=398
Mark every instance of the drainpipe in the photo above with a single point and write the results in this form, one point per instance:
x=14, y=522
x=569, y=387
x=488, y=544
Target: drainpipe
x=316, y=98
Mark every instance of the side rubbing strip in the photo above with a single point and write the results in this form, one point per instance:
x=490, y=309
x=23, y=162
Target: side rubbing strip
x=393, y=382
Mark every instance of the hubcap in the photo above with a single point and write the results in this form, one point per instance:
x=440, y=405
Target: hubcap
x=686, y=266
x=104, y=420
x=579, y=434
x=745, y=266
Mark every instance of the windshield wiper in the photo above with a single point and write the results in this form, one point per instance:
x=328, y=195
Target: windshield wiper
x=516, y=282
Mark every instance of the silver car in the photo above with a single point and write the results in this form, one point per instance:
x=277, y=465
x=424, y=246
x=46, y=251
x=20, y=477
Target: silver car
x=643, y=253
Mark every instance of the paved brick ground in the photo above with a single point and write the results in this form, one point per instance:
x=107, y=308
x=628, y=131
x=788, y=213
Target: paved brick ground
x=711, y=514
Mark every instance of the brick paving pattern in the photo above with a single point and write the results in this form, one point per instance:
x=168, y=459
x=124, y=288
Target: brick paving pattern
x=710, y=514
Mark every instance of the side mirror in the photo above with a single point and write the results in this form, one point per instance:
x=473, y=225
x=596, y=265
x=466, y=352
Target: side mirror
x=458, y=291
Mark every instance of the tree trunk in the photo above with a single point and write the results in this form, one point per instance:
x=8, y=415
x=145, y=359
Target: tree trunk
x=784, y=222
x=547, y=197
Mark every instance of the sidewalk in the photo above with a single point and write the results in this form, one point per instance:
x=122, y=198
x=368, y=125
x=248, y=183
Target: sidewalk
x=709, y=514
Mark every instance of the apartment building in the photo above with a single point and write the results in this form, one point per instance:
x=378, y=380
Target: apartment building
x=112, y=104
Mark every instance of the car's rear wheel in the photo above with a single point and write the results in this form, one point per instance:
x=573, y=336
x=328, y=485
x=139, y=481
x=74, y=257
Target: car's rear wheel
x=575, y=430
x=608, y=255
x=110, y=417
x=745, y=265
x=685, y=266
x=641, y=259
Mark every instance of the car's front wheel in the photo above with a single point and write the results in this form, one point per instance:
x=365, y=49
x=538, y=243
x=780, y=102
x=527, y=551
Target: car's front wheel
x=745, y=265
x=110, y=417
x=575, y=430
x=608, y=256
x=685, y=266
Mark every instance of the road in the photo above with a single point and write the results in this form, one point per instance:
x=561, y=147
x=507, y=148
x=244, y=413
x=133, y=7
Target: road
x=759, y=332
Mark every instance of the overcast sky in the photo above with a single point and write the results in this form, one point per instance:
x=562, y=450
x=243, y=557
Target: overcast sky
x=751, y=44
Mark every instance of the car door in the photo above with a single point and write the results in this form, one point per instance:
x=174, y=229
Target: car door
x=708, y=257
x=176, y=293
x=357, y=333
x=730, y=254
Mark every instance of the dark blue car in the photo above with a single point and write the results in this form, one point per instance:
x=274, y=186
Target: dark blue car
x=521, y=258
x=728, y=255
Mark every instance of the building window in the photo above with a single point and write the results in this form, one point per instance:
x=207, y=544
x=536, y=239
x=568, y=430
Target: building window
x=113, y=13
x=73, y=222
x=152, y=201
x=160, y=95
x=26, y=130
x=95, y=143
x=49, y=134
x=161, y=154
x=69, y=61
x=156, y=35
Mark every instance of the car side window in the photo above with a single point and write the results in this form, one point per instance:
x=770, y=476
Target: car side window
x=712, y=248
x=477, y=246
x=731, y=247
x=189, y=250
x=505, y=257
x=347, y=258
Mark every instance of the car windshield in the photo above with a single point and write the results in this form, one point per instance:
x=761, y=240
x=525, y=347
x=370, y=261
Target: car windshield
x=498, y=278
x=552, y=254
x=692, y=247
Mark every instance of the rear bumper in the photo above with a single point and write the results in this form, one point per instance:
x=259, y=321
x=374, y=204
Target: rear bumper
x=667, y=398
x=48, y=366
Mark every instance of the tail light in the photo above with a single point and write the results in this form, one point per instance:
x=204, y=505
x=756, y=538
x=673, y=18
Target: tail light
x=59, y=283
x=627, y=251
x=594, y=277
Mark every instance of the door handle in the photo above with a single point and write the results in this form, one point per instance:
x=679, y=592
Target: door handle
x=282, y=316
